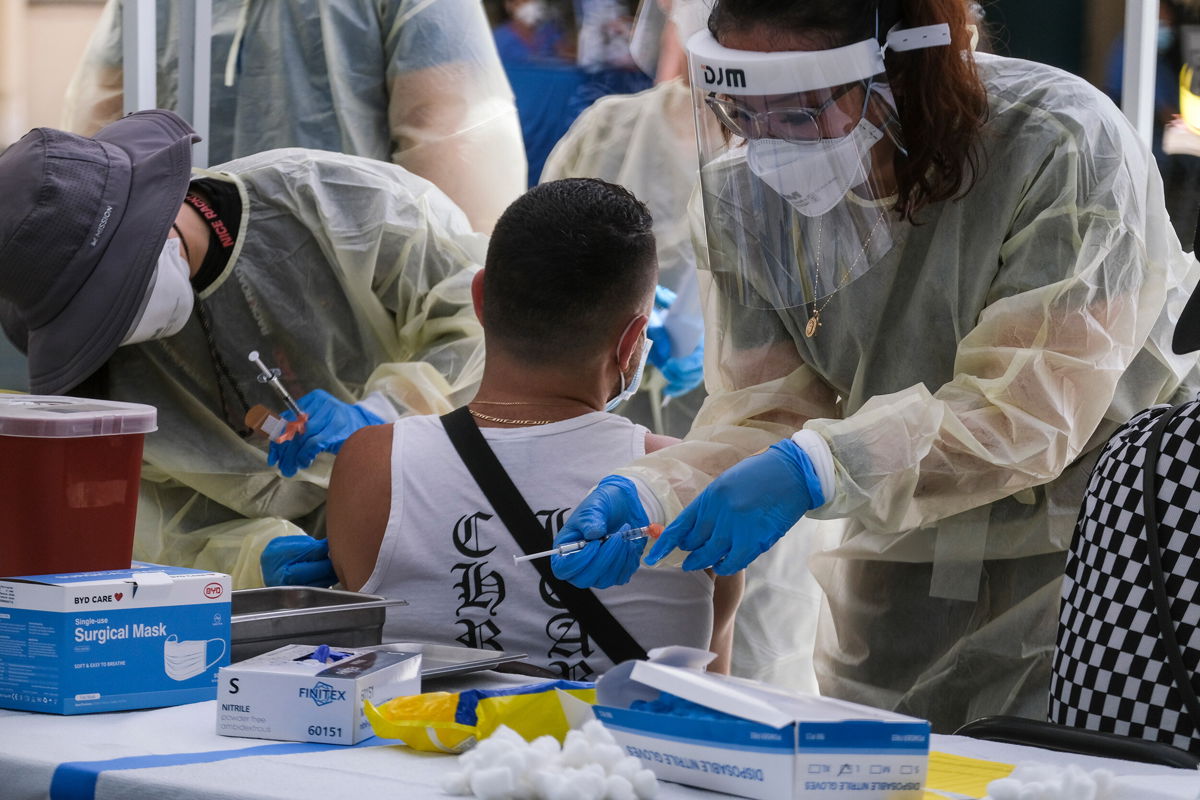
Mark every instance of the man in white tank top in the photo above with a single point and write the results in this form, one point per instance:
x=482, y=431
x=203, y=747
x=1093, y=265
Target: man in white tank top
x=564, y=299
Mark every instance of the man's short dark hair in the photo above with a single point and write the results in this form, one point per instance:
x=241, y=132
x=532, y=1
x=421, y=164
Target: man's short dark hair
x=569, y=262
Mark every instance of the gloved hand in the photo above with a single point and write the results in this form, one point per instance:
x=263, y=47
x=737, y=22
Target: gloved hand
x=744, y=511
x=330, y=423
x=611, y=507
x=297, y=561
x=683, y=373
x=663, y=297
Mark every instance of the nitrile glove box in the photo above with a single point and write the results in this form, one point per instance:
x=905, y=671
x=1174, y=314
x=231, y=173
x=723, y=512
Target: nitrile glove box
x=84, y=642
x=782, y=746
x=286, y=695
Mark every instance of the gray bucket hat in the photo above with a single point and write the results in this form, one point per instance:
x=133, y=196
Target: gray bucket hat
x=82, y=223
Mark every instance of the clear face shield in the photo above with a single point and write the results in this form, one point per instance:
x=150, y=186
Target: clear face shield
x=798, y=183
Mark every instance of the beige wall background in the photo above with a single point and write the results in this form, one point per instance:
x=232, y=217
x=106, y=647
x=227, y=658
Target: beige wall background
x=41, y=44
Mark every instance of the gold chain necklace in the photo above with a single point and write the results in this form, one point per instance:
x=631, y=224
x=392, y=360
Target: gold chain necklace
x=475, y=413
x=814, y=321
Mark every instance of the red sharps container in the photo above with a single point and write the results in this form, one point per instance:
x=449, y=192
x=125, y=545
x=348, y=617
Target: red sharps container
x=69, y=471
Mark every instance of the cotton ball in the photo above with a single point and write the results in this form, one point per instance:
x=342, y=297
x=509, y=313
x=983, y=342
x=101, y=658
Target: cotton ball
x=1077, y=784
x=513, y=761
x=617, y=788
x=468, y=760
x=607, y=755
x=490, y=749
x=546, y=746
x=576, y=752
x=1004, y=789
x=1106, y=784
x=548, y=784
x=456, y=783
x=495, y=783
x=595, y=731
x=582, y=784
x=627, y=767
x=503, y=733
x=575, y=736
x=645, y=785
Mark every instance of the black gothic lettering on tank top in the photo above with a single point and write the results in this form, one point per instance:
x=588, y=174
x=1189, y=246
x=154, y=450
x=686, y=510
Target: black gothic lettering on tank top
x=481, y=589
x=569, y=645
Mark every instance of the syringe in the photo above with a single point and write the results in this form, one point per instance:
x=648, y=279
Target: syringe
x=631, y=535
x=271, y=376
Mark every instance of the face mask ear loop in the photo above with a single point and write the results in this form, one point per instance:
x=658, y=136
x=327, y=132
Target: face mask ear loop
x=187, y=252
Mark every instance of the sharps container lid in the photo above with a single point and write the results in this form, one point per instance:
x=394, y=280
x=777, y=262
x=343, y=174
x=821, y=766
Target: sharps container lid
x=52, y=417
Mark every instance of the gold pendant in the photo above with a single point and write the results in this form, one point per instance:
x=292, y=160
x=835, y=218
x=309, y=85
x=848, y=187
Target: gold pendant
x=814, y=322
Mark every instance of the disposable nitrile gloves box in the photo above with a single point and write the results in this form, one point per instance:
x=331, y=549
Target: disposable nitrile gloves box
x=286, y=694
x=761, y=742
x=84, y=642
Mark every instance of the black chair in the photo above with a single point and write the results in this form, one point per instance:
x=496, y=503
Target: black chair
x=1065, y=739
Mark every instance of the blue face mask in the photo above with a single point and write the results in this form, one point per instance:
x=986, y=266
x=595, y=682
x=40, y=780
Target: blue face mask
x=628, y=391
x=1166, y=38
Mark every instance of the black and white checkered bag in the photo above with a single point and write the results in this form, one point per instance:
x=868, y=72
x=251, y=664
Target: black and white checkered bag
x=1129, y=627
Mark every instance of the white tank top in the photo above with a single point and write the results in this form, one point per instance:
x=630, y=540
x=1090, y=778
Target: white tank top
x=446, y=552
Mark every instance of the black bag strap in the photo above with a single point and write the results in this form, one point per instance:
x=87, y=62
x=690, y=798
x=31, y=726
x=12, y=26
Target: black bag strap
x=1162, y=603
x=596, y=620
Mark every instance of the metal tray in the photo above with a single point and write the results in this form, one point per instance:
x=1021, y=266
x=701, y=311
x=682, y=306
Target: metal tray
x=438, y=660
x=264, y=619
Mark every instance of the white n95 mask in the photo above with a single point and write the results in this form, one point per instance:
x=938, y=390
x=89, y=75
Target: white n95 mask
x=628, y=391
x=170, y=300
x=183, y=660
x=814, y=176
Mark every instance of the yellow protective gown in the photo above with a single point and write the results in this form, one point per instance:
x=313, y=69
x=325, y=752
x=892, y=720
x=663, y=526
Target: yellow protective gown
x=350, y=276
x=415, y=82
x=963, y=386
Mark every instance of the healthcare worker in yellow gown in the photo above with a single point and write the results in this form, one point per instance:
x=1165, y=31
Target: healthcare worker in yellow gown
x=130, y=277
x=936, y=281
x=414, y=82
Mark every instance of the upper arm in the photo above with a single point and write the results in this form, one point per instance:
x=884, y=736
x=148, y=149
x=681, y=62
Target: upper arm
x=359, y=502
x=657, y=441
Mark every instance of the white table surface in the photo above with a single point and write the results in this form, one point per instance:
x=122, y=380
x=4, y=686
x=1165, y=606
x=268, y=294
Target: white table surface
x=32, y=746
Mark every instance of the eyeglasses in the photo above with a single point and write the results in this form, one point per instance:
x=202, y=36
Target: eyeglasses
x=789, y=124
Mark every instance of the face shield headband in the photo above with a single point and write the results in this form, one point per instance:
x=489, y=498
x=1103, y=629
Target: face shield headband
x=715, y=68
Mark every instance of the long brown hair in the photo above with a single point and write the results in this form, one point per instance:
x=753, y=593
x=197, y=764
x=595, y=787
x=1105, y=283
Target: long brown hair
x=940, y=98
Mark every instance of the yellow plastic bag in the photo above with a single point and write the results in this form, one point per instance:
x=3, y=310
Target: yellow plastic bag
x=445, y=722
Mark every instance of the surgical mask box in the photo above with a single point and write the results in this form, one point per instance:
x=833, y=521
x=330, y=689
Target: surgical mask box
x=286, y=695
x=84, y=642
x=780, y=745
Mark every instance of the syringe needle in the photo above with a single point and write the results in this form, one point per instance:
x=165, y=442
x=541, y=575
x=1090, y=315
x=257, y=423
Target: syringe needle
x=271, y=376
x=631, y=535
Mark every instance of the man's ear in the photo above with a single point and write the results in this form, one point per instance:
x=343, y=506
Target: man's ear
x=477, y=294
x=630, y=345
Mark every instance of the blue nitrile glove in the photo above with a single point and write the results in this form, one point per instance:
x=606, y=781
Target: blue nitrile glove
x=660, y=345
x=744, y=511
x=684, y=374
x=660, y=339
x=297, y=561
x=663, y=297
x=612, y=506
x=330, y=424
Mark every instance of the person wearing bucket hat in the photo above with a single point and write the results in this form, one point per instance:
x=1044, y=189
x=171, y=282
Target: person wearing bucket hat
x=124, y=275
x=84, y=222
x=412, y=82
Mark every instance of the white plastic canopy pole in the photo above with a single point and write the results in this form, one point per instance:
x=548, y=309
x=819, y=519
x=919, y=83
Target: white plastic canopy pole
x=137, y=36
x=1141, y=49
x=195, y=71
